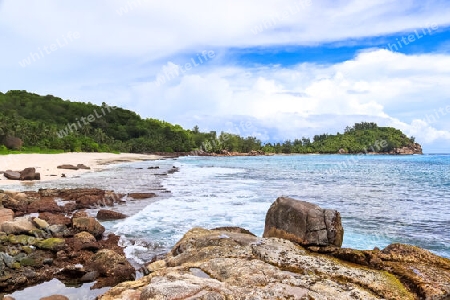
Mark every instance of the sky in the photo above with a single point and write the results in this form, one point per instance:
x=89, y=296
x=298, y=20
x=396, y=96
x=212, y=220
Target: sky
x=276, y=70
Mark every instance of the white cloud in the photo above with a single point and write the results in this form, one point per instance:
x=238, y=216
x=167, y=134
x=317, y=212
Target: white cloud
x=118, y=55
x=309, y=99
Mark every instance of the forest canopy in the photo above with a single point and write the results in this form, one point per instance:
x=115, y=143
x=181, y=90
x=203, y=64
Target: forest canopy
x=46, y=123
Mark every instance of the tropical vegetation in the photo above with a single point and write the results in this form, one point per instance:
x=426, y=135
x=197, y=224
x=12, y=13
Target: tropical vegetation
x=50, y=124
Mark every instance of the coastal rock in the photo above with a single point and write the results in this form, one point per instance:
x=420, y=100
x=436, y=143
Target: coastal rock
x=304, y=223
x=29, y=174
x=111, y=267
x=141, y=195
x=67, y=167
x=83, y=167
x=6, y=215
x=90, y=198
x=107, y=215
x=55, y=219
x=90, y=225
x=85, y=241
x=408, y=150
x=44, y=205
x=219, y=264
x=12, y=175
x=18, y=226
x=41, y=224
x=52, y=244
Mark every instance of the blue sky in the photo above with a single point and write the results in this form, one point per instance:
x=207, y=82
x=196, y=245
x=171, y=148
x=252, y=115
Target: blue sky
x=273, y=69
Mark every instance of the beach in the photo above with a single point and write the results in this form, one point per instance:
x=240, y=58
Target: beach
x=47, y=164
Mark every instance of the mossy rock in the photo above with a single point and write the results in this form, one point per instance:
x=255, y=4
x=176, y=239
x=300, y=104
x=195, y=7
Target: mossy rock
x=3, y=237
x=27, y=249
x=22, y=239
x=16, y=265
x=53, y=244
x=27, y=262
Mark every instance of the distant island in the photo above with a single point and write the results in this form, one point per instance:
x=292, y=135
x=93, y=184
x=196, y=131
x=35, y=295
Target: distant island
x=46, y=124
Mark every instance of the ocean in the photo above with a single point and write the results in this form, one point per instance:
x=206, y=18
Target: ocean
x=381, y=199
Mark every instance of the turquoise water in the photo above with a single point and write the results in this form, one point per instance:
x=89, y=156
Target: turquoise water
x=382, y=199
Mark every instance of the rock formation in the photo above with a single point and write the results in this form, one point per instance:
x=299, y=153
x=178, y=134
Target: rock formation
x=408, y=150
x=303, y=223
x=221, y=264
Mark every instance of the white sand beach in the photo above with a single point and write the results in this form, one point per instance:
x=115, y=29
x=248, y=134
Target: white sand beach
x=47, y=164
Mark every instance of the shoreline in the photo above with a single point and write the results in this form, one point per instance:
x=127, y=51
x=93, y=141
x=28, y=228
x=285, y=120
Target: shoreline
x=46, y=164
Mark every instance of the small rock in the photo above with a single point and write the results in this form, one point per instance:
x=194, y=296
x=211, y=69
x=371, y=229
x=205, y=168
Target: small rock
x=106, y=215
x=89, y=276
x=141, y=195
x=67, y=167
x=12, y=175
x=41, y=224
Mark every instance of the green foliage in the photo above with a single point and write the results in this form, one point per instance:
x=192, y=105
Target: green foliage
x=48, y=124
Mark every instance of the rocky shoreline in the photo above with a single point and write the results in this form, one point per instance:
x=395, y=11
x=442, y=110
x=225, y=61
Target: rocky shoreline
x=42, y=238
x=299, y=257
x=49, y=234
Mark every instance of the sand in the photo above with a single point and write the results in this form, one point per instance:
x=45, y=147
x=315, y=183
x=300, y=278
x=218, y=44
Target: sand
x=47, y=164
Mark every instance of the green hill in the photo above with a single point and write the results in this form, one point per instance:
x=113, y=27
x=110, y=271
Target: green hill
x=46, y=123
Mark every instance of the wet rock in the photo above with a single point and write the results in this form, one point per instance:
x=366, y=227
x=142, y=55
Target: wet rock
x=111, y=267
x=90, y=276
x=18, y=226
x=90, y=225
x=304, y=223
x=107, y=215
x=138, y=196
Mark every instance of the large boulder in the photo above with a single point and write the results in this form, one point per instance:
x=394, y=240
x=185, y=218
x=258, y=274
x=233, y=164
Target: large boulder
x=304, y=223
x=90, y=225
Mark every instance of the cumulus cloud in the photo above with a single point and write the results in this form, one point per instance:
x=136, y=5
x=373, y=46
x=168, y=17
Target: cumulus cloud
x=124, y=45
